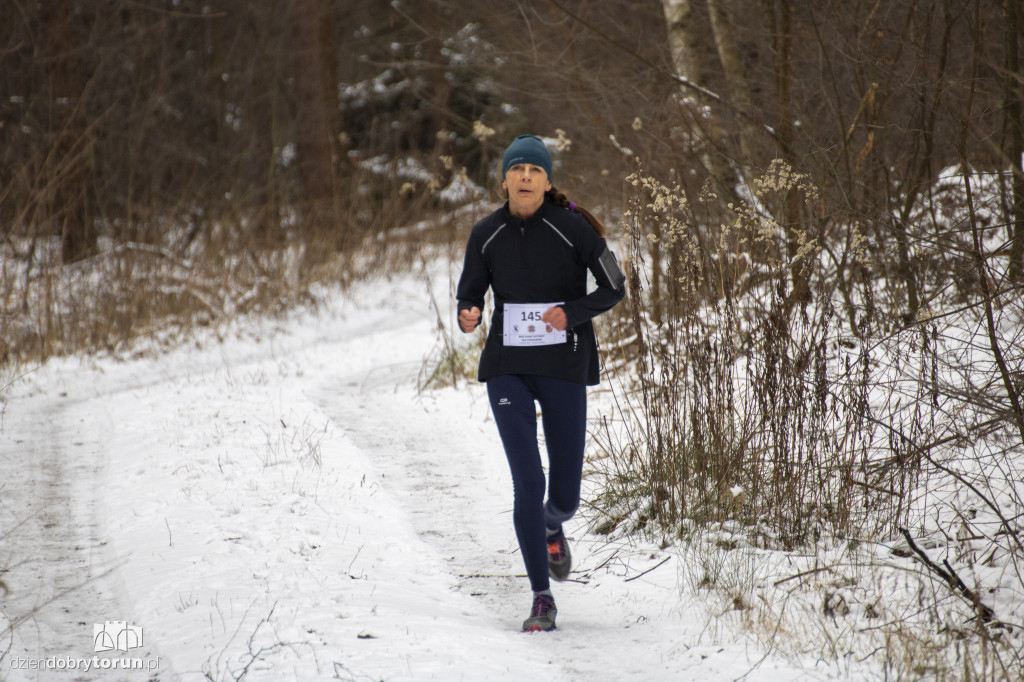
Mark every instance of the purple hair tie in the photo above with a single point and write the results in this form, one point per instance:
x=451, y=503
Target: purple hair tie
x=572, y=206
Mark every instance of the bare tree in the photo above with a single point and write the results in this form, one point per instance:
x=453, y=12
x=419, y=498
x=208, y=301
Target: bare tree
x=683, y=40
x=313, y=69
x=781, y=22
x=65, y=201
x=723, y=29
x=1014, y=107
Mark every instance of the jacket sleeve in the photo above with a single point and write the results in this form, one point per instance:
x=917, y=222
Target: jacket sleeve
x=475, y=278
x=611, y=283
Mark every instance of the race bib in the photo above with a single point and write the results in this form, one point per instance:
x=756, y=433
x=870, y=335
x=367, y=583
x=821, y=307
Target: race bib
x=523, y=326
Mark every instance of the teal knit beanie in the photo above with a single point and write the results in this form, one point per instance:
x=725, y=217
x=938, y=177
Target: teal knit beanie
x=526, y=149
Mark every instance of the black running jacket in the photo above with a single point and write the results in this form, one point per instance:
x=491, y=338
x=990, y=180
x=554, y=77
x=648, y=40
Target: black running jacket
x=542, y=259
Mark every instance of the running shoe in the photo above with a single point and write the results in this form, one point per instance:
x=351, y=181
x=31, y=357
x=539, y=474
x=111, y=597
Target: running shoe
x=559, y=557
x=542, y=615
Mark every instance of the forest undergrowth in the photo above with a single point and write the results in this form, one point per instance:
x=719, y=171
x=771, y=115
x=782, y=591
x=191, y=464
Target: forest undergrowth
x=842, y=482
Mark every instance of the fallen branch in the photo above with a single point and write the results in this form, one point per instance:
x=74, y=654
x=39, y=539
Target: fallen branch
x=803, y=574
x=986, y=614
x=663, y=562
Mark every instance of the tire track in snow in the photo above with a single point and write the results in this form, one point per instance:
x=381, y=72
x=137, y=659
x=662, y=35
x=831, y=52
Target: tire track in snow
x=61, y=580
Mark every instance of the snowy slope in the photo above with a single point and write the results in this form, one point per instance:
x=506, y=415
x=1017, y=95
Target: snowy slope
x=281, y=504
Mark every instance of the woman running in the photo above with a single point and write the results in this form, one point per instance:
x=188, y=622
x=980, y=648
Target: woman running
x=534, y=254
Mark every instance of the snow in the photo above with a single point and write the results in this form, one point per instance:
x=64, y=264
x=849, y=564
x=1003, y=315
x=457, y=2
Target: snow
x=460, y=190
x=280, y=502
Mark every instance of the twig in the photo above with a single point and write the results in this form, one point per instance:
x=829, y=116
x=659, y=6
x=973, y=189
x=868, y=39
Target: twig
x=952, y=579
x=604, y=563
x=924, y=451
x=640, y=575
x=803, y=574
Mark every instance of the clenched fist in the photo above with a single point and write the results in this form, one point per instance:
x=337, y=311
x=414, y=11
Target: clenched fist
x=555, y=317
x=469, y=318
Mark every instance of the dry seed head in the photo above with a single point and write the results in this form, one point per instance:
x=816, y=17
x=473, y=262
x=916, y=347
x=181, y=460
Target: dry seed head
x=807, y=247
x=780, y=177
x=707, y=195
x=562, y=141
x=481, y=131
x=859, y=245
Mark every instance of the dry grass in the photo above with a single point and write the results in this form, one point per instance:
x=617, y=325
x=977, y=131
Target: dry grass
x=750, y=427
x=188, y=275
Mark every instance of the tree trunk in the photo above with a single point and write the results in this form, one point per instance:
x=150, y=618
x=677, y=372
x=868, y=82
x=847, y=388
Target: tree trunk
x=438, y=96
x=1015, y=130
x=732, y=66
x=315, y=141
x=782, y=36
x=918, y=177
x=682, y=41
x=65, y=205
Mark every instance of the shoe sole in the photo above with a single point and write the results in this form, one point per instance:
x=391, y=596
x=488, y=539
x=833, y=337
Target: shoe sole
x=560, y=571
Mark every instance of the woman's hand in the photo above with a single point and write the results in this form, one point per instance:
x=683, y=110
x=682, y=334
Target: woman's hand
x=555, y=317
x=469, y=319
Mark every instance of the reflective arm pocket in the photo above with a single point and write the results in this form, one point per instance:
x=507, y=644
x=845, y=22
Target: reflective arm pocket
x=611, y=268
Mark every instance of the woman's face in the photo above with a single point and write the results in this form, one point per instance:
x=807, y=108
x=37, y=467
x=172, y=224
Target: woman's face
x=525, y=184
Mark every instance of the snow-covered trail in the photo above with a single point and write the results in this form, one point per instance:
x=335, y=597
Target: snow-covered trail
x=439, y=454
x=281, y=503
x=51, y=503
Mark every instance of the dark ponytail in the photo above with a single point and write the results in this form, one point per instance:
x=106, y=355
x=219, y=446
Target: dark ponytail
x=559, y=199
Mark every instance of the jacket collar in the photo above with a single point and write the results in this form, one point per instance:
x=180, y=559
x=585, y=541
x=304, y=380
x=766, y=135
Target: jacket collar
x=538, y=215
